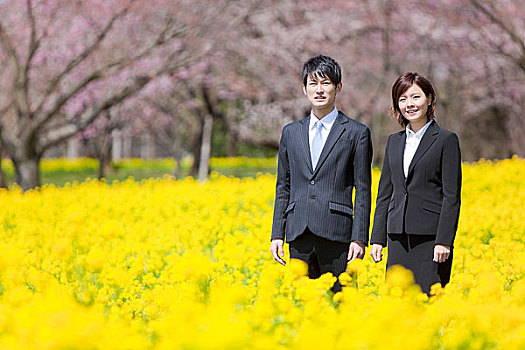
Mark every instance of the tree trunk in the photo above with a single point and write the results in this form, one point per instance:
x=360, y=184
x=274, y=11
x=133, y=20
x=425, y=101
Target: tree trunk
x=103, y=166
x=73, y=146
x=3, y=181
x=232, y=137
x=116, y=147
x=126, y=146
x=516, y=134
x=196, y=151
x=204, y=166
x=27, y=169
x=104, y=155
x=178, y=166
x=147, y=149
x=232, y=145
x=176, y=150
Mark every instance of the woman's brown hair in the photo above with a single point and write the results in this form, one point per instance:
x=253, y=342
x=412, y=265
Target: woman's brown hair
x=401, y=85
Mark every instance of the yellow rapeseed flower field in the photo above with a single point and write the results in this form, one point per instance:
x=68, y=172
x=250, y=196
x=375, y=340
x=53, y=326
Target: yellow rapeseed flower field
x=163, y=264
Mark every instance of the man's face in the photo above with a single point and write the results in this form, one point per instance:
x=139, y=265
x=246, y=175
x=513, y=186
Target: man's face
x=321, y=92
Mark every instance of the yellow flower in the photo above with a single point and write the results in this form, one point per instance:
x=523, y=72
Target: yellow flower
x=299, y=268
x=164, y=264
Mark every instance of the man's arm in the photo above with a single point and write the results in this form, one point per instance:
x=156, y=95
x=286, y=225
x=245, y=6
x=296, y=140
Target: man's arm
x=384, y=195
x=363, y=182
x=282, y=191
x=282, y=197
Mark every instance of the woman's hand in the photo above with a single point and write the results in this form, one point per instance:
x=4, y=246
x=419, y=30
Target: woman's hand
x=356, y=250
x=441, y=253
x=376, y=252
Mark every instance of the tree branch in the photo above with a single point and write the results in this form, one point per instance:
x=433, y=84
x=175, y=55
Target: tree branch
x=4, y=109
x=34, y=44
x=83, y=55
x=21, y=107
x=211, y=102
x=81, y=121
x=9, y=48
x=90, y=114
x=7, y=138
x=507, y=28
x=111, y=68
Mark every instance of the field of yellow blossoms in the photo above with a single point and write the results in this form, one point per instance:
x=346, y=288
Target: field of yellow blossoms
x=163, y=264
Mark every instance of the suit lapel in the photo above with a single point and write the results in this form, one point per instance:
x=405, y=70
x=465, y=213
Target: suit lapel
x=335, y=132
x=426, y=141
x=398, y=152
x=305, y=143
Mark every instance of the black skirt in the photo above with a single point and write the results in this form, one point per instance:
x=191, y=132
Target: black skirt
x=416, y=253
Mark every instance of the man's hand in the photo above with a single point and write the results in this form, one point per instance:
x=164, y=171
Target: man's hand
x=357, y=250
x=441, y=253
x=277, y=250
x=377, y=252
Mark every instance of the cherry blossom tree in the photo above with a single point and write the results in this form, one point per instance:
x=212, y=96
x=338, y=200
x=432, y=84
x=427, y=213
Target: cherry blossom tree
x=179, y=66
x=65, y=64
x=494, y=32
x=472, y=50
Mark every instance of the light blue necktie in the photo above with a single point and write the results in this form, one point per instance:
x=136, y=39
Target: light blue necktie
x=317, y=143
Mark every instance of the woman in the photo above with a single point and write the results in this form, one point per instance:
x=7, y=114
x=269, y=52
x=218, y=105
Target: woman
x=418, y=201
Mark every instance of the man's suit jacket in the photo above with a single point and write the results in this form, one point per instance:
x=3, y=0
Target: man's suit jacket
x=321, y=198
x=428, y=201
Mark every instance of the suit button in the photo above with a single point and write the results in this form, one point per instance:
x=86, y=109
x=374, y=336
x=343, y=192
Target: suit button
x=404, y=191
x=313, y=196
x=312, y=182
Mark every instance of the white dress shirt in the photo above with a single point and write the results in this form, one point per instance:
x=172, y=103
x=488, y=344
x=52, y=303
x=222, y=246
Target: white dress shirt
x=328, y=121
x=411, y=145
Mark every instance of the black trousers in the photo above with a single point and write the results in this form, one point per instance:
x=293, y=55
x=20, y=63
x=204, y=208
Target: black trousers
x=321, y=255
x=416, y=253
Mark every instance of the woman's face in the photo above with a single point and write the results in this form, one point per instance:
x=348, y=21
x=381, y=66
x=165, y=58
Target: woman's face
x=413, y=105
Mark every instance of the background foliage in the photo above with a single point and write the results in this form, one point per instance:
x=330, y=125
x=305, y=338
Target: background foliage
x=119, y=78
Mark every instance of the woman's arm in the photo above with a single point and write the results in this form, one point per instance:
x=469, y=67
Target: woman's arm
x=451, y=178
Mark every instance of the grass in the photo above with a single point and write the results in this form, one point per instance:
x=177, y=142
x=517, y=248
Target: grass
x=62, y=171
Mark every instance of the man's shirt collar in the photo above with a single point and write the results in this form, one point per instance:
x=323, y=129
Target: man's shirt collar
x=327, y=120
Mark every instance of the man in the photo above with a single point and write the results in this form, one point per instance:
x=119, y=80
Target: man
x=321, y=159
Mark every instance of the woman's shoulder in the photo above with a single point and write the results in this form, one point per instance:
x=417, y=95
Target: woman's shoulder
x=396, y=135
x=442, y=133
x=448, y=138
x=447, y=134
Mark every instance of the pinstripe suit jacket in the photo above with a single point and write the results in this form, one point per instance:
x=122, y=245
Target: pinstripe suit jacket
x=428, y=201
x=321, y=198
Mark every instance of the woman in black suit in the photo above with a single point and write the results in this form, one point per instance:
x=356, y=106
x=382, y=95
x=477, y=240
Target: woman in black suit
x=418, y=201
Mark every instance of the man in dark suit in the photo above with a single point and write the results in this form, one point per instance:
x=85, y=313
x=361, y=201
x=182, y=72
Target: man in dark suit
x=322, y=158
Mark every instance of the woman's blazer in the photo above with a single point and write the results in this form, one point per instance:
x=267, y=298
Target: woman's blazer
x=428, y=201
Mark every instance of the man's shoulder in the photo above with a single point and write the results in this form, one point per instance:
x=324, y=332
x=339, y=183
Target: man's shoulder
x=353, y=123
x=295, y=124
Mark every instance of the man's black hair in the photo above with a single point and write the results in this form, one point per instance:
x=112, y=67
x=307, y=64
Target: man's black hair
x=322, y=66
